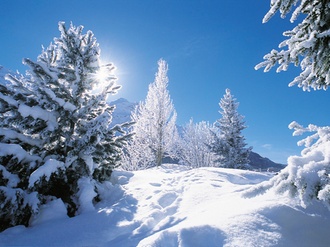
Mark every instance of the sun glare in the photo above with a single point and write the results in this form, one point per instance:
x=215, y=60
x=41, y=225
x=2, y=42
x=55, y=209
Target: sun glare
x=120, y=72
x=103, y=77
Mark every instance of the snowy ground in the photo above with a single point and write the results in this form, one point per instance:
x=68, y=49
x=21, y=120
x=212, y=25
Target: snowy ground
x=174, y=206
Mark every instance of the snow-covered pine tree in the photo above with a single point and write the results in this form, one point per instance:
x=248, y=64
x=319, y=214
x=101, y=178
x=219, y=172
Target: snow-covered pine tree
x=229, y=143
x=195, y=144
x=82, y=141
x=307, y=45
x=77, y=149
x=155, y=134
x=19, y=144
x=306, y=176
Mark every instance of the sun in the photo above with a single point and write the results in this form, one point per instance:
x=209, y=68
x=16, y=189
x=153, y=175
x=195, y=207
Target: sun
x=104, y=76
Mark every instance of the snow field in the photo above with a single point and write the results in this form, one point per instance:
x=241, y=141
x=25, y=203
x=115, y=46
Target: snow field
x=208, y=209
x=176, y=206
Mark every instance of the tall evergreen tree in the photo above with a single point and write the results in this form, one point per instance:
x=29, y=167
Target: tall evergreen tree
x=307, y=45
x=54, y=114
x=229, y=143
x=155, y=134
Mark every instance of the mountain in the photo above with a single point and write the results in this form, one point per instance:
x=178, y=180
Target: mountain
x=264, y=164
x=122, y=114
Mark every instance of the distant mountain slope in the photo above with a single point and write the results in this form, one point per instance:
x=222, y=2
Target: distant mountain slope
x=122, y=114
x=123, y=110
x=263, y=163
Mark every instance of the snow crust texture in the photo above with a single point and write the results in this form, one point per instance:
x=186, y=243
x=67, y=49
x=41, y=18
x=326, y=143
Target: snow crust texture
x=176, y=206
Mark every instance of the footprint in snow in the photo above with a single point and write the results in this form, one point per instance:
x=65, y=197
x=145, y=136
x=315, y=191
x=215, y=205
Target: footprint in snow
x=155, y=184
x=167, y=199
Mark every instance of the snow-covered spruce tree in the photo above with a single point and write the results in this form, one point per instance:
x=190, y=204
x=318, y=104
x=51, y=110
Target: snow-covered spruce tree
x=229, y=143
x=83, y=143
x=306, y=176
x=77, y=150
x=307, y=45
x=155, y=134
x=195, y=143
x=19, y=144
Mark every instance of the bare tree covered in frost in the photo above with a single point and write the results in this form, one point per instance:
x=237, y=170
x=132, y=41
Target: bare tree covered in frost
x=229, y=143
x=155, y=134
x=307, y=45
x=55, y=140
x=306, y=176
x=195, y=143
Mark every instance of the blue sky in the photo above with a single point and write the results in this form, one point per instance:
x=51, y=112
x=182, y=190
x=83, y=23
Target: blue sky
x=209, y=46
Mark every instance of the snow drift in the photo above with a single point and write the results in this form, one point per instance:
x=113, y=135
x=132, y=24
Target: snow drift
x=176, y=206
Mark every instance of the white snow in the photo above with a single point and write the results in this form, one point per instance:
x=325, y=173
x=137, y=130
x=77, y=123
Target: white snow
x=17, y=151
x=8, y=99
x=176, y=206
x=89, y=162
x=38, y=112
x=13, y=179
x=86, y=194
x=50, y=166
x=54, y=210
x=66, y=105
x=12, y=134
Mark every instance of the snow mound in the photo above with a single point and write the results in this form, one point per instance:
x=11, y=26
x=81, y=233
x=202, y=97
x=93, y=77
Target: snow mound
x=54, y=210
x=176, y=206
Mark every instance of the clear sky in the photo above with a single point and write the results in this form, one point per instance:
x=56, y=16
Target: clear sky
x=209, y=46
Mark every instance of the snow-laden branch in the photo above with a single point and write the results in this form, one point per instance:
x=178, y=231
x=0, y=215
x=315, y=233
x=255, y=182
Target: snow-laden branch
x=307, y=45
x=65, y=104
x=45, y=171
x=9, y=134
x=37, y=112
x=9, y=100
x=13, y=179
x=18, y=152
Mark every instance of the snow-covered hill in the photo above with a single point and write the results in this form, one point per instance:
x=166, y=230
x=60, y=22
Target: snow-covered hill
x=175, y=206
